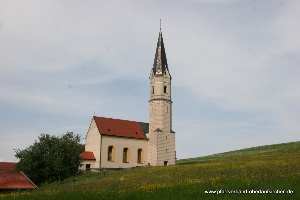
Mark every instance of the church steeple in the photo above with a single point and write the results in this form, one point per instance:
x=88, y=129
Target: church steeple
x=160, y=60
x=161, y=137
x=160, y=77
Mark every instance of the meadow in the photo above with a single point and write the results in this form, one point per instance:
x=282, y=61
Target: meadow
x=267, y=172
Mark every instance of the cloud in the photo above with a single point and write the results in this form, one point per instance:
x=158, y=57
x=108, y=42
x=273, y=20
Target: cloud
x=238, y=72
x=286, y=26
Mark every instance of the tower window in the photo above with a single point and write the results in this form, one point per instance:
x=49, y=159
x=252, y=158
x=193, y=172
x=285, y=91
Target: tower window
x=152, y=89
x=165, y=89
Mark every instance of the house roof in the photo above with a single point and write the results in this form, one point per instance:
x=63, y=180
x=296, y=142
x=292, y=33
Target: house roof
x=121, y=128
x=7, y=166
x=12, y=179
x=87, y=155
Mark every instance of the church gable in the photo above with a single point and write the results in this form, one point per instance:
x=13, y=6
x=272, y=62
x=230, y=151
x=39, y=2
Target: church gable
x=121, y=128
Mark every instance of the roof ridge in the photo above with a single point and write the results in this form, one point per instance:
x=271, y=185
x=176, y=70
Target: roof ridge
x=120, y=119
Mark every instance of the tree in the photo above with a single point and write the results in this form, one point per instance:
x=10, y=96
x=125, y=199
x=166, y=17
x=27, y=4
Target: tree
x=51, y=158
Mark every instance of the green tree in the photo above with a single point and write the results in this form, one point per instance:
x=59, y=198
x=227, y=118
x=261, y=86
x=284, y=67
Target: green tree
x=51, y=158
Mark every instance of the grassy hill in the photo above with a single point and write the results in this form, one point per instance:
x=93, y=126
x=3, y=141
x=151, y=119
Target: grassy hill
x=236, y=175
x=290, y=147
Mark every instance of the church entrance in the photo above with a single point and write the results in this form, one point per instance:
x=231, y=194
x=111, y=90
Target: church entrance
x=165, y=163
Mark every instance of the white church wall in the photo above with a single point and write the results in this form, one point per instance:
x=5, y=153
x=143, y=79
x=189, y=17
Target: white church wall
x=93, y=142
x=119, y=143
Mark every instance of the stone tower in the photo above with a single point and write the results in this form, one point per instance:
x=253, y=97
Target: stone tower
x=161, y=143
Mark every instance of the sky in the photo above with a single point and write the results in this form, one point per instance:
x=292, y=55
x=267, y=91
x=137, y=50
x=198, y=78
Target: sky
x=234, y=66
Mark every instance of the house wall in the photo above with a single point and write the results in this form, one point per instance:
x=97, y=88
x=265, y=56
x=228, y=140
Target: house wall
x=119, y=143
x=93, y=143
x=91, y=162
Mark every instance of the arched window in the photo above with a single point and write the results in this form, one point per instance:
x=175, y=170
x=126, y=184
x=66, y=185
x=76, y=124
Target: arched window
x=126, y=155
x=140, y=156
x=111, y=154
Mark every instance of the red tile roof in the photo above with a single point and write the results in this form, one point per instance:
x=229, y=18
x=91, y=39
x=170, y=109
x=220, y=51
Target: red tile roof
x=7, y=166
x=15, y=180
x=87, y=155
x=12, y=179
x=120, y=128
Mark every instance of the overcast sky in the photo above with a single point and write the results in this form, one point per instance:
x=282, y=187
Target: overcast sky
x=234, y=66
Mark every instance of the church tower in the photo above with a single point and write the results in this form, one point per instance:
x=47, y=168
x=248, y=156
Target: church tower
x=161, y=143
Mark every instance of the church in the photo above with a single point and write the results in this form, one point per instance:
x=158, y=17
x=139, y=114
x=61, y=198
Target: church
x=116, y=143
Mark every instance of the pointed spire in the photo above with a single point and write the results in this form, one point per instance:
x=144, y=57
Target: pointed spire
x=160, y=60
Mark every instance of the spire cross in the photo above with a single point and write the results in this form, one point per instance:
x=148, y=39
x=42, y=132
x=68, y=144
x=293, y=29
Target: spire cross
x=160, y=24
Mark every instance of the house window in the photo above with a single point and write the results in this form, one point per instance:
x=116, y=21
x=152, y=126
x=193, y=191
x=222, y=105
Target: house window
x=111, y=154
x=165, y=89
x=88, y=167
x=126, y=155
x=140, y=156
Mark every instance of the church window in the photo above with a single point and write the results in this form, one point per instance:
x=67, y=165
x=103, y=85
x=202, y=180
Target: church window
x=111, y=154
x=126, y=155
x=140, y=156
x=165, y=89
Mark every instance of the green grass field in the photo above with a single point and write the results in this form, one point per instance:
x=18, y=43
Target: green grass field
x=236, y=174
